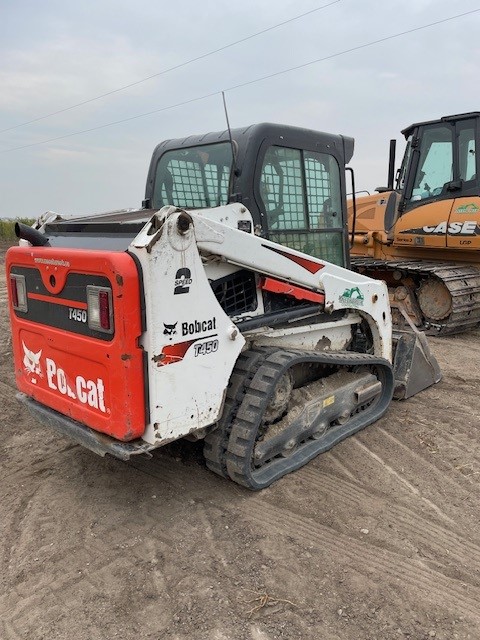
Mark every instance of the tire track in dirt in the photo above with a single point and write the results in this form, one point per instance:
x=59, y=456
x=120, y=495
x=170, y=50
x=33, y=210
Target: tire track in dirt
x=466, y=429
x=434, y=444
x=52, y=586
x=336, y=460
x=92, y=567
x=9, y=632
x=408, y=485
x=460, y=451
x=8, y=390
x=37, y=466
x=428, y=583
x=406, y=458
x=13, y=526
x=442, y=542
x=424, y=457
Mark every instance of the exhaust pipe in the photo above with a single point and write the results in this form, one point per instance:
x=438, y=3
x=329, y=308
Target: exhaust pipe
x=391, y=164
x=37, y=239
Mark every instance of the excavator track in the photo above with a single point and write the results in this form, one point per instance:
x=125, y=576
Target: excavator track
x=447, y=294
x=283, y=421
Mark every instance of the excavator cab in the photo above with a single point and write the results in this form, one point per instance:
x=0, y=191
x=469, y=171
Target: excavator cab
x=439, y=159
x=422, y=237
x=439, y=187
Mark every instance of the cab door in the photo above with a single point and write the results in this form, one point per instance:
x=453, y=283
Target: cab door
x=440, y=200
x=464, y=222
x=427, y=202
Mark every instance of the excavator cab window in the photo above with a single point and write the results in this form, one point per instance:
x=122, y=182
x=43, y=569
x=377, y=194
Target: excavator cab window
x=402, y=172
x=466, y=154
x=193, y=178
x=435, y=166
x=439, y=163
x=301, y=195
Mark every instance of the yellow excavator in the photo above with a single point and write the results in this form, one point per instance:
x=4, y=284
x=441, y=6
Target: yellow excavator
x=422, y=236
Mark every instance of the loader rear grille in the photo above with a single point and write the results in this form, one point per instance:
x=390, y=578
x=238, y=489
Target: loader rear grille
x=236, y=293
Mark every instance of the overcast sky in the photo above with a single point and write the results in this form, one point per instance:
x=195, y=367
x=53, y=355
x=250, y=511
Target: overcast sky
x=56, y=53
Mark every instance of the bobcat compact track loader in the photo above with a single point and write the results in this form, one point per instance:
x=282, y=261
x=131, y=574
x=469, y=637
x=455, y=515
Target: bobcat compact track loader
x=423, y=237
x=222, y=310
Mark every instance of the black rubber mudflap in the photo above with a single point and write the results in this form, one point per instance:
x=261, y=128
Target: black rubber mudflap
x=247, y=424
x=414, y=366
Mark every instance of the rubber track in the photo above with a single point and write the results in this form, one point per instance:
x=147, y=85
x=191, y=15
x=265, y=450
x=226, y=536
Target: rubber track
x=462, y=281
x=249, y=416
x=215, y=443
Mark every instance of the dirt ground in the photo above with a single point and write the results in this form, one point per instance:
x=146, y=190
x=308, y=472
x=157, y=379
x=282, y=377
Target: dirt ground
x=377, y=539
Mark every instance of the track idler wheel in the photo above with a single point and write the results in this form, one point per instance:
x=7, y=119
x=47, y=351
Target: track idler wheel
x=435, y=300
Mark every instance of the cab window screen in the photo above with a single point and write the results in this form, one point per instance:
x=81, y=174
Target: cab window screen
x=301, y=195
x=193, y=178
x=323, y=191
x=281, y=188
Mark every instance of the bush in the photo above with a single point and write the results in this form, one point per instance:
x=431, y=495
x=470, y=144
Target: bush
x=7, y=228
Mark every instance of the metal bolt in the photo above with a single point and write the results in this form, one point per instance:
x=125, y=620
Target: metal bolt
x=183, y=223
x=232, y=332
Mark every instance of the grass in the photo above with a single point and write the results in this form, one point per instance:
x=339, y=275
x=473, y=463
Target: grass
x=7, y=228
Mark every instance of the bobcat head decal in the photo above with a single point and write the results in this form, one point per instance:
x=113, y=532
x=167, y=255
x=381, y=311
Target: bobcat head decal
x=31, y=362
x=169, y=329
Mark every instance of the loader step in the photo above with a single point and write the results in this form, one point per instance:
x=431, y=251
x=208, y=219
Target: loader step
x=289, y=413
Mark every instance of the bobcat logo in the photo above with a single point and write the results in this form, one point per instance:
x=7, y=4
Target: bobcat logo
x=169, y=329
x=31, y=362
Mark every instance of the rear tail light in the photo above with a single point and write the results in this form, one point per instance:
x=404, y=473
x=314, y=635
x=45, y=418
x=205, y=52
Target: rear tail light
x=18, y=289
x=100, y=309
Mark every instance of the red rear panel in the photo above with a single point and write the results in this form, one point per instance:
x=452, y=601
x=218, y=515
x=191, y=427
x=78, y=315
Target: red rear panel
x=94, y=377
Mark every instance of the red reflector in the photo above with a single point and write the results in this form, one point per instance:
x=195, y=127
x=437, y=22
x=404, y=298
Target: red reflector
x=104, y=303
x=13, y=289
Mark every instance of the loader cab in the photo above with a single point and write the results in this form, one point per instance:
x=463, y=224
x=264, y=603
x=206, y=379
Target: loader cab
x=440, y=161
x=292, y=181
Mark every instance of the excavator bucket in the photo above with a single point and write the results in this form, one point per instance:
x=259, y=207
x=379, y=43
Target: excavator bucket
x=415, y=368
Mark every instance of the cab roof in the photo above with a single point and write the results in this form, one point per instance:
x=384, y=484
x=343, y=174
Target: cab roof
x=459, y=116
